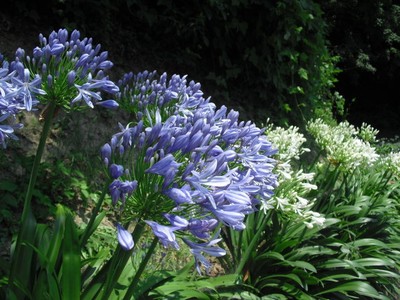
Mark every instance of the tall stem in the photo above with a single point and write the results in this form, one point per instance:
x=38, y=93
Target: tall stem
x=89, y=230
x=21, y=259
x=36, y=163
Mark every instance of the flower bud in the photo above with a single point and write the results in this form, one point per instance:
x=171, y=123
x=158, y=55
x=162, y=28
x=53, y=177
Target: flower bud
x=82, y=60
x=105, y=65
x=125, y=238
x=110, y=104
x=62, y=35
x=106, y=151
x=71, y=77
x=57, y=49
x=20, y=53
x=19, y=67
x=50, y=80
x=75, y=35
x=116, y=171
x=44, y=68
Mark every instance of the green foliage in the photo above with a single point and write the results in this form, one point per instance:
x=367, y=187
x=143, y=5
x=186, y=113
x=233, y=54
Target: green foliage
x=389, y=145
x=9, y=201
x=64, y=182
x=98, y=247
x=47, y=268
x=353, y=254
x=183, y=286
x=364, y=240
x=366, y=36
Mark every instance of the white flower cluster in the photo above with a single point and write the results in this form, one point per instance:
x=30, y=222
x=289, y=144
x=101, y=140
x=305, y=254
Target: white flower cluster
x=344, y=144
x=391, y=162
x=294, y=184
x=368, y=133
x=289, y=142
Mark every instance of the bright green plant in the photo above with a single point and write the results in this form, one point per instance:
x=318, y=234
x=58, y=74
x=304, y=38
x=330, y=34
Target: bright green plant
x=350, y=250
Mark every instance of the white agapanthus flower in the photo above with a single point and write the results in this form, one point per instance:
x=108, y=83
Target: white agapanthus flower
x=289, y=142
x=344, y=144
x=314, y=218
x=368, y=133
x=391, y=162
x=294, y=184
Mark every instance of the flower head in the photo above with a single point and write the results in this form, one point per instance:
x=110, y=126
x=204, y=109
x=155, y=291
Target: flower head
x=291, y=195
x=72, y=69
x=196, y=167
x=343, y=145
x=64, y=69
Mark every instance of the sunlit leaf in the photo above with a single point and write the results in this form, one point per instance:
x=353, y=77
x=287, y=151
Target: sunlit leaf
x=71, y=264
x=358, y=287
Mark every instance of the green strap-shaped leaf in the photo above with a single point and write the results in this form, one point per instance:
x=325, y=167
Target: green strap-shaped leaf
x=145, y=286
x=21, y=274
x=302, y=264
x=71, y=262
x=53, y=252
x=358, y=287
x=91, y=228
x=42, y=243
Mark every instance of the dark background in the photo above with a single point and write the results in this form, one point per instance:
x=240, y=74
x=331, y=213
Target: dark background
x=246, y=54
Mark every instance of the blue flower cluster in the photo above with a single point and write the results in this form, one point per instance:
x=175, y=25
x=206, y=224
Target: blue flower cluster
x=72, y=69
x=18, y=92
x=64, y=69
x=183, y=166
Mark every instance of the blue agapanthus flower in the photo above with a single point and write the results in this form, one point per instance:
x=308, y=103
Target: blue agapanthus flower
x=27, y=88
x=72, y=71
x=16, y=95
x=7, y=131
x=64, y=69
x=125, y=238
x=195, y=167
